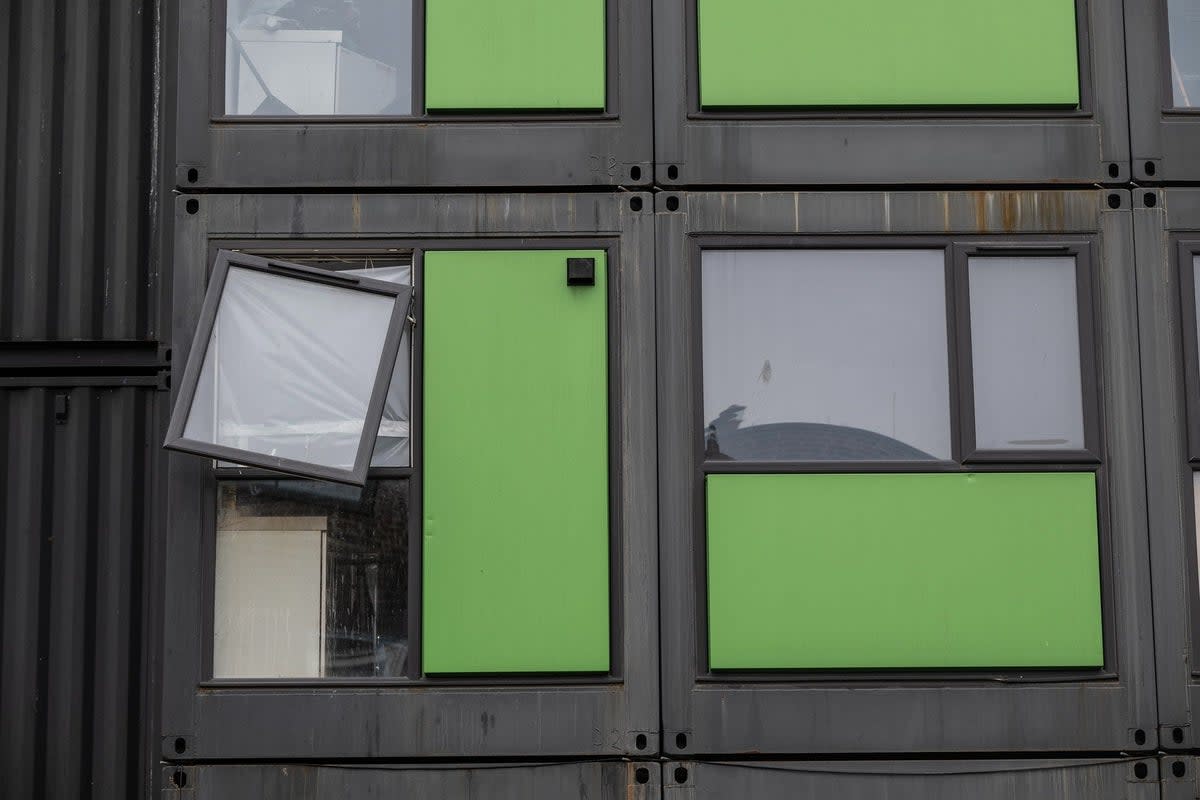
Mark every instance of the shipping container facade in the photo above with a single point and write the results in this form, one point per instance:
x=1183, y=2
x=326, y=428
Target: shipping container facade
x=777, y=400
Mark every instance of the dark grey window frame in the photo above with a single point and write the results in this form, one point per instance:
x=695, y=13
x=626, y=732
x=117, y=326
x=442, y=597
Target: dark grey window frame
x=613, y=714
x=811, y=712
x=222, y=262
x=502, y=149
x=1165, y=140
x=1167, y=234
x=979, y=779
x=875, y=147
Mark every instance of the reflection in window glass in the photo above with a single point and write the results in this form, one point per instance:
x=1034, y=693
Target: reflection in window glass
x=318, y=57
x=311, y=580
x=825, y=355
x=1184, y=24
x=1025, y=354
x=290, y=368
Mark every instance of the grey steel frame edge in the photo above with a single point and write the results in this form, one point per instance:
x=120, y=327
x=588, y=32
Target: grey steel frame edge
x=769, y=714
x=990, y=779
x=1166, y=228
x=357, y=475
x=531, y=780
x=557, y=717
x=440, y=151
x=1164, y=140
x=879, y=146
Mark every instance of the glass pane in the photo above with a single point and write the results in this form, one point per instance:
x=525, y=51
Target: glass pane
x=311, y=580
x=1184, y=24
x=391, y=446
x=290, y=368
x=825, y=355
x=1025, y=354
x=318, y=57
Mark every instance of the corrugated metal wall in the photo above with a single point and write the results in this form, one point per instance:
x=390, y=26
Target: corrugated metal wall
x=75, y=116
x=78, y=422
x=72, y=586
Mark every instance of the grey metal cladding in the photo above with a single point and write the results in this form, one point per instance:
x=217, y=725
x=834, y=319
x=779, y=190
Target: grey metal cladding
x=466, y=718
x=75, y=176
x=1164, y=142
x=611, y=149
x=786, y=714
x=1179, y=777
x=75, y=583
x=1046, y=779
x=596, y=780
x=1162, y=218
x=1087, y=146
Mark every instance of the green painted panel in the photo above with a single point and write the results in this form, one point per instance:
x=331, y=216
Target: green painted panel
x=516, y=54
x=900, y=570
x=887, y=53
x=516, y=539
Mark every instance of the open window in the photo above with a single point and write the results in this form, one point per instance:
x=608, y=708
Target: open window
x=291, y=368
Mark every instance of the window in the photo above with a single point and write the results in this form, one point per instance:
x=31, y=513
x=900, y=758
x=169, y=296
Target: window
x=318, y=57
x=356, y=57
x=311, y=579
x=887, y=448
x=290, y=368
x=814, y=355
x=1183, y=20
x=812, y=53
x=1025, y=354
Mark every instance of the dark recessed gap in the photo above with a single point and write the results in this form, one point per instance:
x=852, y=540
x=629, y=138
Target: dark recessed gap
x=1150, y=168
x=1179, y=769
x=681, y=740
x=1114, y=200
x=1139, y=736
x=1150, y=199
x=179, y=778
x=672, y=203
x=1177, y=735
x=180, y=745
x=1113, y=170
x=681, y=774
x=643, y=775
x=673, y=173
x=635, y=173
x=640, y=741
x=635, y=203
x=1140, y=770
x=193, y=206
x=193, y=175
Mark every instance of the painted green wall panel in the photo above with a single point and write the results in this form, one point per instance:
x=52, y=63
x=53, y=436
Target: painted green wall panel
x=887, y=53
x=516, y=54
x=516, y=536
x=903, y=570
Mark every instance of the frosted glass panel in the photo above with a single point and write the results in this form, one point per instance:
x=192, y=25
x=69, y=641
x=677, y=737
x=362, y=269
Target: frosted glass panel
x=1025, y=354
x=837, y=355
